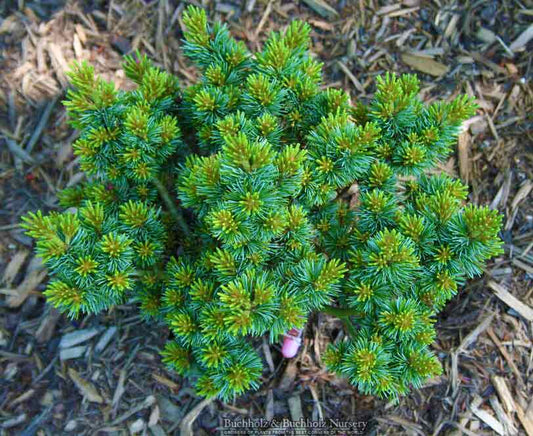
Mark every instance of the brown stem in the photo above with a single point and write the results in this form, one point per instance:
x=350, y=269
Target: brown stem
x=172, y=208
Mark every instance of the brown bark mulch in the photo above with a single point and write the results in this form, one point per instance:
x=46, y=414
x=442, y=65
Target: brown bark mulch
x=102, y=374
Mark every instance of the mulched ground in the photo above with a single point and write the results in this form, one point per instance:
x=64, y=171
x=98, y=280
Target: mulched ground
x=103, y=374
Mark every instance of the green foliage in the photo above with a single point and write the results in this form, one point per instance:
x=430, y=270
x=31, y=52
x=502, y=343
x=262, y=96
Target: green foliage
x=223, y=209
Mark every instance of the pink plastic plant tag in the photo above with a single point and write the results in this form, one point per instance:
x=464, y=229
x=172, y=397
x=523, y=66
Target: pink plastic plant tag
x=291, y=343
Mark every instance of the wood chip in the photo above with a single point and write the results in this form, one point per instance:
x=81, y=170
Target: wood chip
x=119, y=391
x=452, y=26
x=503, y=193
x=149, y=401
x=21, y=398
x=410, y=427
x=488, y=419
x=288, y=376
x=80, y=32
x=522, y=40
x=522, y=194
x=402, y=12
x=486, y=35
x=295, y=408
x=29, y=285
x=317, y=406
x=188, y=421
x=72, y=353
x=514, y=303
x=41, y=124
x=19, y=152
x=157, y=430
x=350, y=76
x=264, y=18
x=13, y=267
x=268, y=355
x=323, y=25
x=322, y=8
x=463, y=150
x=508, y=426
x=59, y=63
x=137, y=426
x=166, y=382
x=467, y=341
x=48, y=324
x=269, y=408
x=71, y=425
x=154, y=416
x=78, y=49
x=385, y=10
x=473, y=335
x=105, y=339
x=8, y=24
x=502, y=389
x=524, y=266
x=77, y=337
x=425, y=65
x=250, y=4
x=492, y=65
x=506, y=356
x=525, y=418
x=86, y=388
x=13, y=422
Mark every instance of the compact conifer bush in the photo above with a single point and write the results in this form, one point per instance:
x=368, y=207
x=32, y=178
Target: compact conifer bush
x=235, y=207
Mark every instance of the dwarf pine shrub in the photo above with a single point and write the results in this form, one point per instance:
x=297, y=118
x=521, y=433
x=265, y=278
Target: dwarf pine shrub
x=233, y=208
